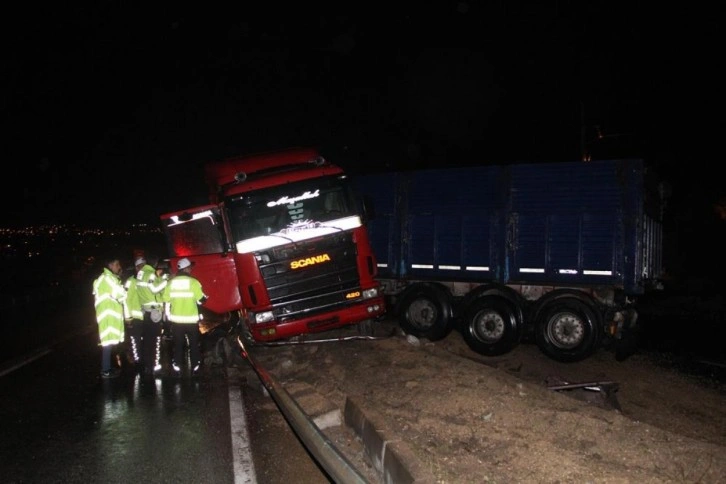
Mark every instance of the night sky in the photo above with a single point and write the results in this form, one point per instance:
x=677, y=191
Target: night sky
x=110, y=111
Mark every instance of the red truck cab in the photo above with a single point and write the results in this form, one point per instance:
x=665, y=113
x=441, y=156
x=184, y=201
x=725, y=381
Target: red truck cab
x=282, y=246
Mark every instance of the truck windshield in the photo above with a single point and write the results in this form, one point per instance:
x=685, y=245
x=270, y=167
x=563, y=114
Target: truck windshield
x=292, y=212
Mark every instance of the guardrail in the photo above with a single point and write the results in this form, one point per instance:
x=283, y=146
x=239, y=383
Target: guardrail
x=323, y=450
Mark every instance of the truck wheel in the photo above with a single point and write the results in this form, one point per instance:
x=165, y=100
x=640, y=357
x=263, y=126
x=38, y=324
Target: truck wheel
x=221, y=351
x=568, y=330
x=490, y=327
x=426, y=312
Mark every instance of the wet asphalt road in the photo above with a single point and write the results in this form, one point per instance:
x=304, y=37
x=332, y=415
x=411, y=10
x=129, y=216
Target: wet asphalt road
x=62, y=423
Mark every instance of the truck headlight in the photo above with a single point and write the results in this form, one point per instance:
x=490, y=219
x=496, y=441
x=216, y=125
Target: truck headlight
x=370, y=293
x=264, y=317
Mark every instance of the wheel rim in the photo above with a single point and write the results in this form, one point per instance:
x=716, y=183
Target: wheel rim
x=566, y=330
x=422, y=314
x=487, y=326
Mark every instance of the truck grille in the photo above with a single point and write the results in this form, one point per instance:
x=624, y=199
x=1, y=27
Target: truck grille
x=326, y=272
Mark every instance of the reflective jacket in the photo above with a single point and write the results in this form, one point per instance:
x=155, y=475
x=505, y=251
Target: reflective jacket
x=133, y=304
x=158, y=286
x=149, y=293
x=109, y=298
x=182, y=297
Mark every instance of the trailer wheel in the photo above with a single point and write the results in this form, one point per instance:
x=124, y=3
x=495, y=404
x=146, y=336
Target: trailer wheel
x=568, y=330
x=426, y=312
x=490, y=327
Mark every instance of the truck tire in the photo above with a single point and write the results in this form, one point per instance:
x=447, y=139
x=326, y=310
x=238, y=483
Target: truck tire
x=568, y=330
x=490, y=326
x=212, y=347
x=425, y=311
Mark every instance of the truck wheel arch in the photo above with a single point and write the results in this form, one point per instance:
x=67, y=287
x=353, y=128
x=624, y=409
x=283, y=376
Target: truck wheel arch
x=425, y=310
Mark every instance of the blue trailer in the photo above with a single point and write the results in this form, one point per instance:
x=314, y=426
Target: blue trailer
x=555, y=253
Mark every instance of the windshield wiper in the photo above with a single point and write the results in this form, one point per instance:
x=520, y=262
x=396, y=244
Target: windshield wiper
x=281, y=236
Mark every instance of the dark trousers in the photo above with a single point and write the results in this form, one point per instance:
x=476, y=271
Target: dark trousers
x=151, y=334
x=106, y=352
x=136, y=343
x=183, y=332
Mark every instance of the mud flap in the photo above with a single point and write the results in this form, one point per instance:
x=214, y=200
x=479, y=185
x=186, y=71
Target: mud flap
x=627, y=343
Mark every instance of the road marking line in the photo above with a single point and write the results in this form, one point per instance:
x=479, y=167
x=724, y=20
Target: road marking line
x=24, y=361
x=244, y=468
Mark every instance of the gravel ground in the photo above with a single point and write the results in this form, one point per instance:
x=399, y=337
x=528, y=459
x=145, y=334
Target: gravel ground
x=470, y=418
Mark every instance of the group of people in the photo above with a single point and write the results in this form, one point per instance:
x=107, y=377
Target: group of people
x=140, y=307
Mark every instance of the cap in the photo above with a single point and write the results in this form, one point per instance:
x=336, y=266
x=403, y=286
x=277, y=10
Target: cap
x=183, y=263
x=140, y=261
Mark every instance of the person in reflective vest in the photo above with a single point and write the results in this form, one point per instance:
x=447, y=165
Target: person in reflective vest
x=149, y=291
x=183, y=296
x=162, y=278
x=134, y=318
x=109, y=297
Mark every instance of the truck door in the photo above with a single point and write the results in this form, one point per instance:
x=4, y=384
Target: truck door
x=198, y=234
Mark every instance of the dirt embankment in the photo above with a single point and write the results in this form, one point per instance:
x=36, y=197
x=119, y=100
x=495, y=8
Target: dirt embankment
x=469, y=418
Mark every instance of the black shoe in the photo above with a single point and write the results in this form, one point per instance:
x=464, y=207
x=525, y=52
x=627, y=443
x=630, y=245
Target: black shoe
x=110, y=374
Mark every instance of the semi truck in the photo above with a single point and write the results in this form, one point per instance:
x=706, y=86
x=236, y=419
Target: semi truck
x=552, y=253
x=280, y=249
